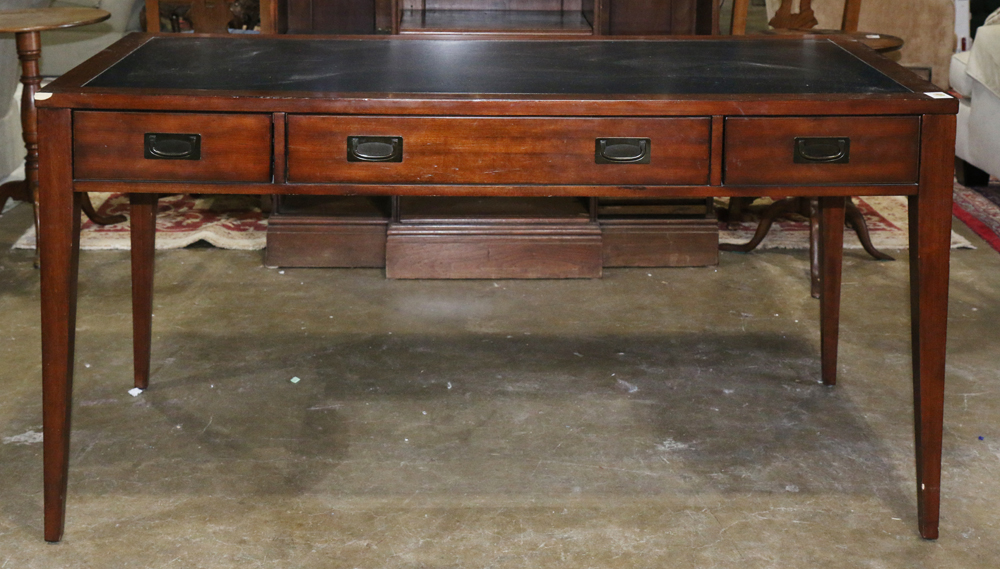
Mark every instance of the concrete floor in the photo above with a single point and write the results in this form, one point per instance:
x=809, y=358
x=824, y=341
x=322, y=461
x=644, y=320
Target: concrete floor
x=653, y=418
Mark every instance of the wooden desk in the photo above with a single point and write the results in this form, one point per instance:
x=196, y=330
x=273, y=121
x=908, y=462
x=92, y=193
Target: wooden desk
x=824, y=118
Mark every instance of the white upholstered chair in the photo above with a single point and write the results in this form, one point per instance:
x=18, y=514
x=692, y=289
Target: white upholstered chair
x=975, y=74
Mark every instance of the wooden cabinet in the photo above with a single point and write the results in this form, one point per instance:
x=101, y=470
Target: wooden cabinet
x=654, y=17
x=332, y=16
x=492, y=16
x=532, y=17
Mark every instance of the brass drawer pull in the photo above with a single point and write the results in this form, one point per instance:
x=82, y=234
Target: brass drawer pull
x=166, y=146
x=822, y=150
x=374, y=148
x=622, y=151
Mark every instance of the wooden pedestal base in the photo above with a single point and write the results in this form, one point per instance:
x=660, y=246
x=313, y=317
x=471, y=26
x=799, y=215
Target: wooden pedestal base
x=328, y=231
x=658, y=233
x=660, y=242
x=456, y=238
x=492, y=238
x=493, y=251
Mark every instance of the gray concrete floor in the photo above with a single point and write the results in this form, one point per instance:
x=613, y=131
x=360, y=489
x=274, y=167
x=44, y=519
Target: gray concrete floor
x=653, y=418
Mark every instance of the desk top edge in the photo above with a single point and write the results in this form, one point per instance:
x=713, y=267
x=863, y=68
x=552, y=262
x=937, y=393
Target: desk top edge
x=72, y=89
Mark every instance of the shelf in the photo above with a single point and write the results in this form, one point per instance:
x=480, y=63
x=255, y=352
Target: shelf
x=494, y=22
x=468, y=210
x=677, y=208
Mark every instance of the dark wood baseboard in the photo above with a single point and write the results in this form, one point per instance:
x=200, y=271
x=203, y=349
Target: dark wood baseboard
x=493, y=238
x=461, y=238
x=659, y=233
x=493, y=251
x=660, y=242
x=327, y=232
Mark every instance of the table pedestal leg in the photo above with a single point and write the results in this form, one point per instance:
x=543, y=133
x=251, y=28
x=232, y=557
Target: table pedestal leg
x=143, y=226
x=29, y=50
x=16, y=190
x=831, y=246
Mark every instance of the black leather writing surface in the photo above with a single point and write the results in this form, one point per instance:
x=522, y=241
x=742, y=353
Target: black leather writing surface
x=672, y=67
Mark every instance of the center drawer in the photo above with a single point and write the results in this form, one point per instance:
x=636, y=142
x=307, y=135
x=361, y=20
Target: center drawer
x=497, y=150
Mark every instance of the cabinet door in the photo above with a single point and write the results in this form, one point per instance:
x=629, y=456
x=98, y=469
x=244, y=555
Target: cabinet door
x=331, y=16
x=652, y=17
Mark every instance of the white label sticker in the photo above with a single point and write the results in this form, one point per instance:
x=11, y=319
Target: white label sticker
x=42, y=96
x=938, y=95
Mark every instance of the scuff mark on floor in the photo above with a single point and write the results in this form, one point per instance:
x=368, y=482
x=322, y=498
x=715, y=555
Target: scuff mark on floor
x=28, y=438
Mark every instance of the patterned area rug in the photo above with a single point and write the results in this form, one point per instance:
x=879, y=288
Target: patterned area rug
x=226, y=222
x=236, y=222
x=886, y=217
x=979, y=208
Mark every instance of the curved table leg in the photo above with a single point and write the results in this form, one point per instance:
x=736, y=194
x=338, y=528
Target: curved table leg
x=773, y=211
x=92, y=215
x=853, y=217
x=16, y=190
x=857, y=222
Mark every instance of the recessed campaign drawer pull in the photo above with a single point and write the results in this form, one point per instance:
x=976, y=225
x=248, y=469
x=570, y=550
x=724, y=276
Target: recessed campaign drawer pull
x=374, y=148
x=167, y=146
x=822, y=150
x=622, y=151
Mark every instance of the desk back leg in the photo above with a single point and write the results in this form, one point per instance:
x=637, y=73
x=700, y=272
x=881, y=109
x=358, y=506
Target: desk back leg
x=143, y=228
x=59, y=250
x=930, y=250
x=831, y=251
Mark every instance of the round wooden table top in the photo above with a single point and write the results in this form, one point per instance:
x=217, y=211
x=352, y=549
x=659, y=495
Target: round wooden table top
x=41, y=19
x=882, y=43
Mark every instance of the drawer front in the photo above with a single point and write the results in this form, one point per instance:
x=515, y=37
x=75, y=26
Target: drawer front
x=184, y=146
x=824, y=150
x=497, y=150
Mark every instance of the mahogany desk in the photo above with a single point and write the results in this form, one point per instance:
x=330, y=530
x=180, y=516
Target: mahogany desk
x=812, y=117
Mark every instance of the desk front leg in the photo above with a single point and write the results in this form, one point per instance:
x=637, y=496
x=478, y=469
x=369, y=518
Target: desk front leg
x=59, y=250
x=143, y=230
x=831, y=261
x=930, y=249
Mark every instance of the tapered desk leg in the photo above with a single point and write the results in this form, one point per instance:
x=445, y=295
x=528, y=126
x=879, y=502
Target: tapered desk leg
x=143, y=225
x=59, y=247
x=930, y=249
x=831, y=245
